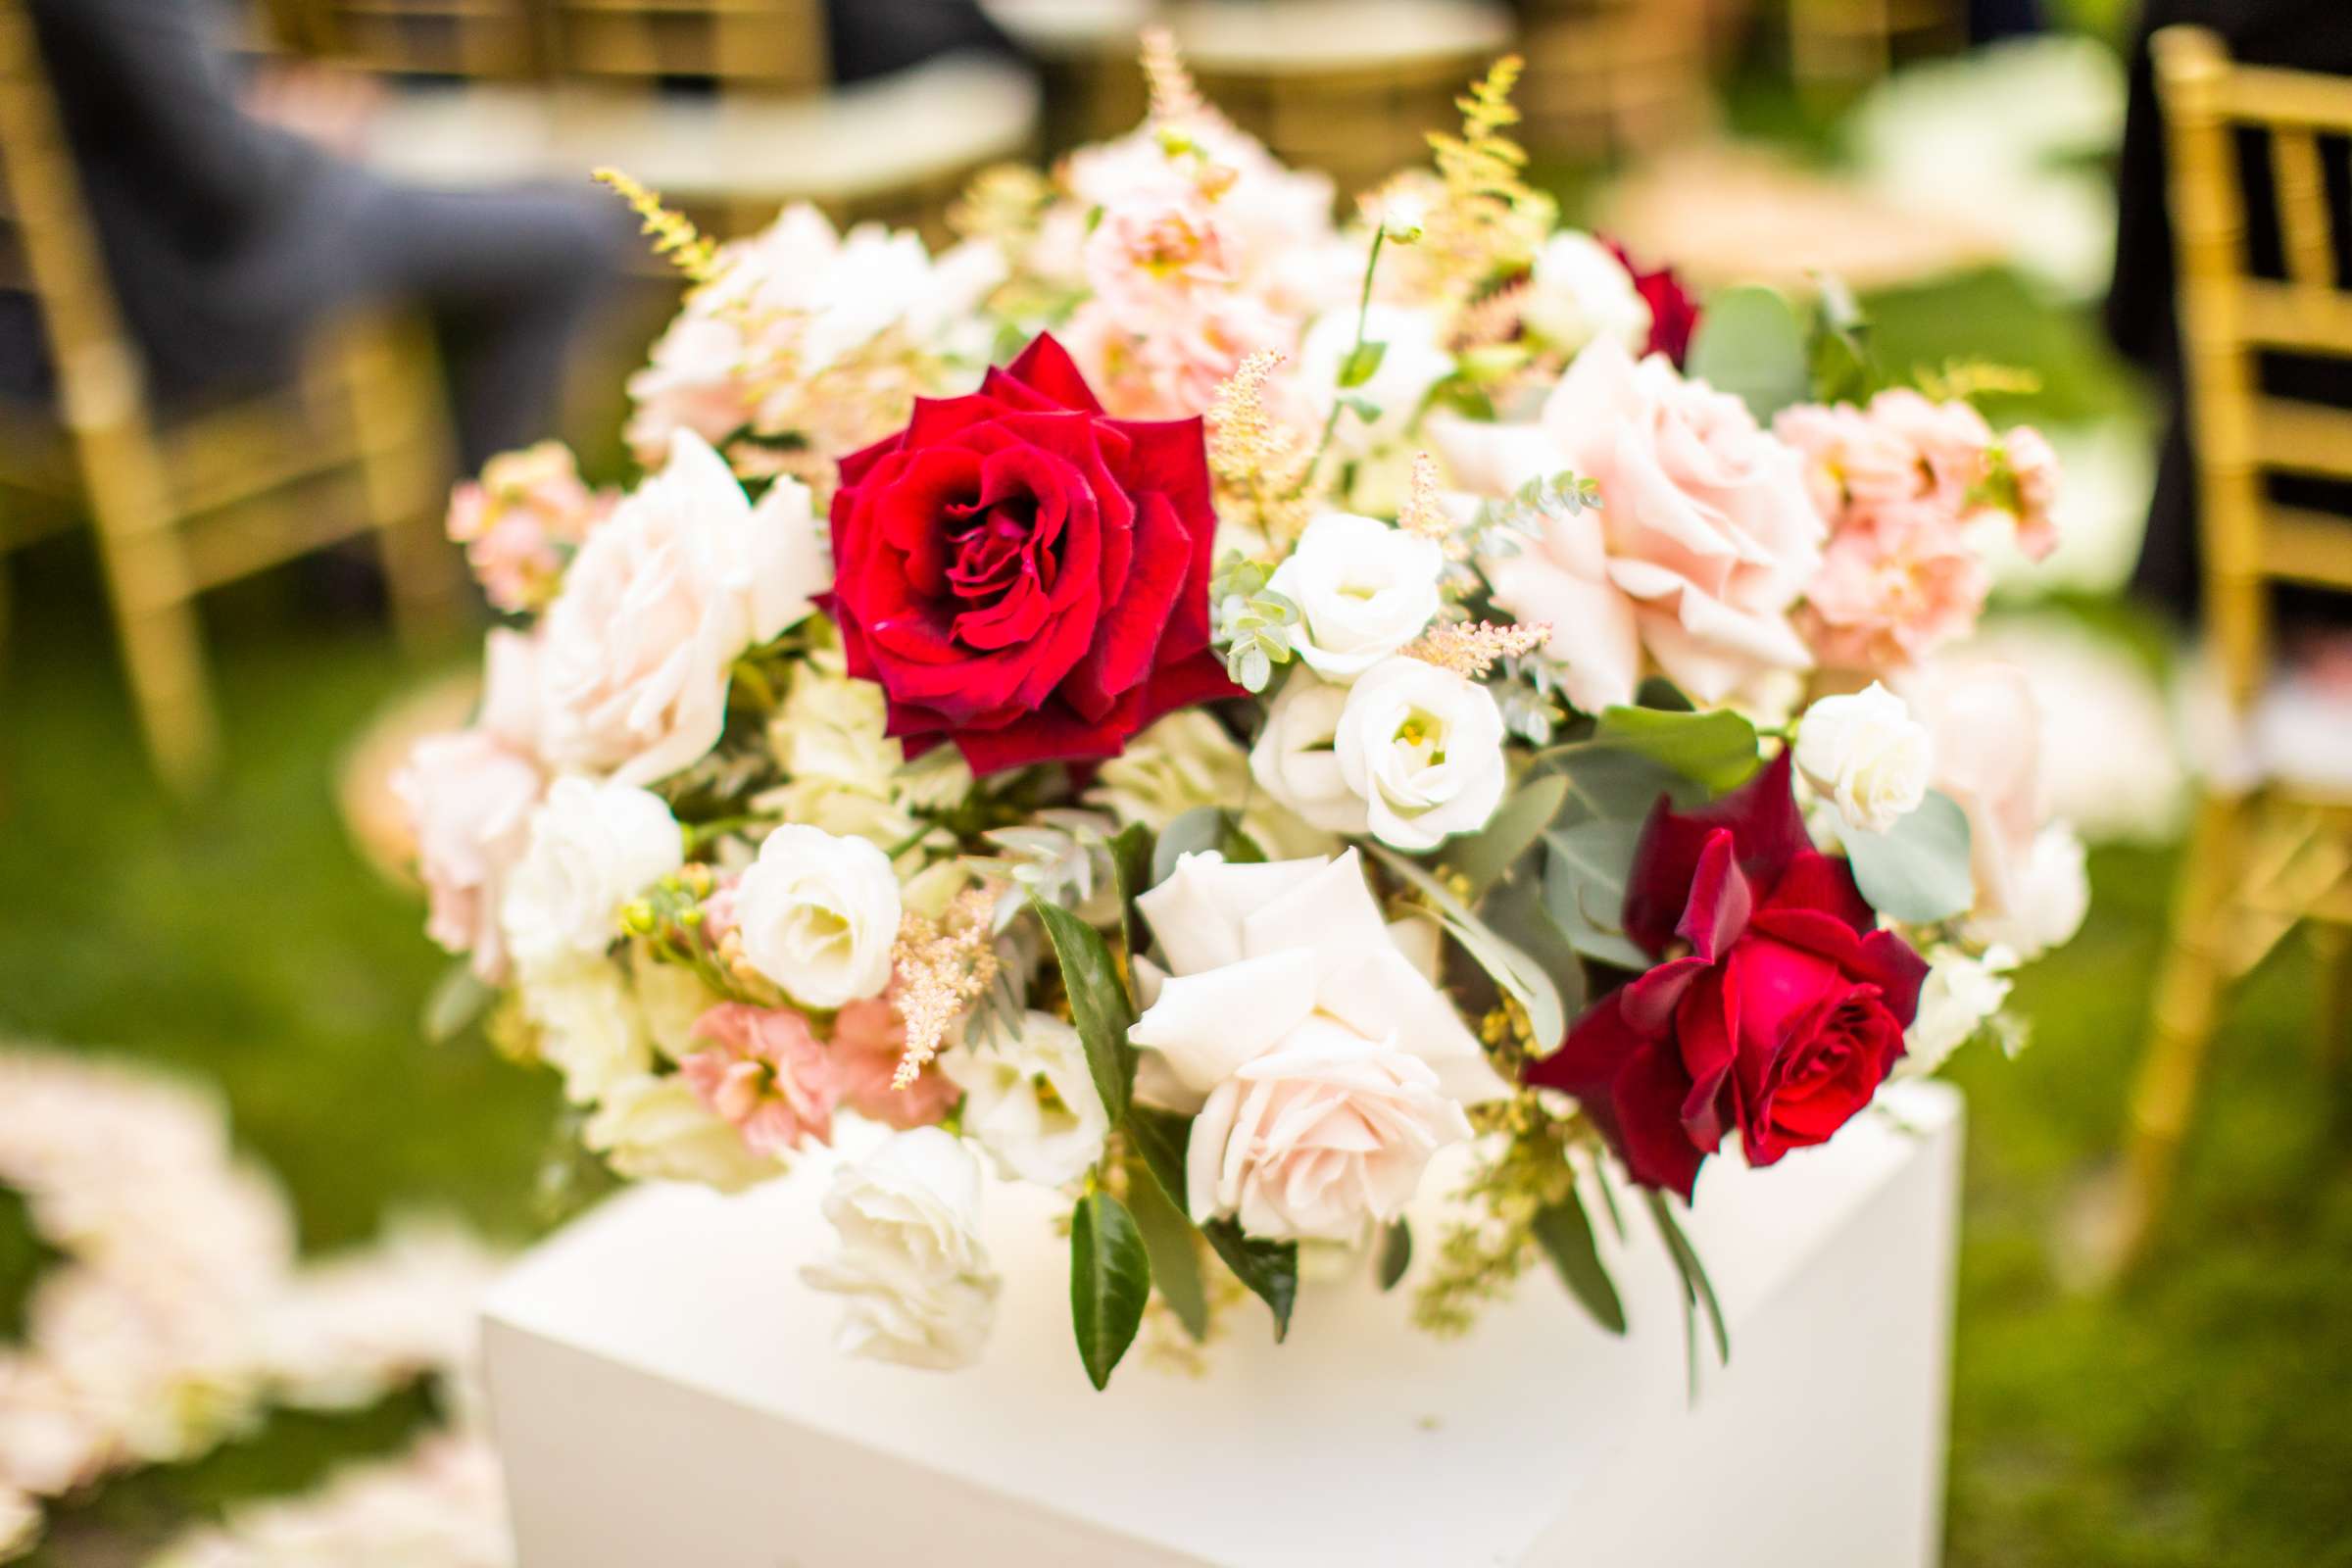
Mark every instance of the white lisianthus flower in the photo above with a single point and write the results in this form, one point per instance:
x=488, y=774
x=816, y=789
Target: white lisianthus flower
x=591, y=848
x=638, y=647
x=1577, y=292
x=1294, y=758
x=1869, y=754
x=587, y=1026
x=2049, y=899
x=1187, y=760
x=834, y=728
x=1031, y=1103
x=657, y=1129
x=1423, y=747
x=1325, y=1064
x=1961, y=994
x=920, y=1285
x=818, y=915
x=1363, y=590
x=1413, y=361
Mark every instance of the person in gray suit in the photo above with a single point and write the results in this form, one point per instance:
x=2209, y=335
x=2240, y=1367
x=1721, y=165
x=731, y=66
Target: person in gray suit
x=229, y=236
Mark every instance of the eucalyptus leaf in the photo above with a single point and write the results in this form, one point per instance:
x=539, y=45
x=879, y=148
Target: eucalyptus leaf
x=1395, y=1253
x=1917, y=870
x=1362, y=364
x=1130, y=867
x=1513, y=830
x=1717, y=747
x=1750, y=344
x=1098, y=1004
x=1192, y=832
x=1583, y=887
x=1516, y=912
x=1565, y=1234
x=1110, y=1280
x=1610, y=781
x=456, y=1001
x=1173, y=1246
x=1508, y=968
x=1270, y=1269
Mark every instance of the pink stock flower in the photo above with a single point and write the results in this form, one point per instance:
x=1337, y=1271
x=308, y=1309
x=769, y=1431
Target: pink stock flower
x=1896, y=582
x=868, y=1038
x=2030, y=468
x=1851, y=460
x=765, y=1073
x=520, y=521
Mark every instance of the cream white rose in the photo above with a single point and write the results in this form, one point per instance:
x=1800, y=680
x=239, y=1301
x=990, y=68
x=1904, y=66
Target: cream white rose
x=2048, y=899
x=1363, y=590
x=1961, y=994
x=1579, y=291
x=1868, y=753
x=592, y=848
x=917, y=1278
x=469, y=797
x=1413, y=361
x=1423, y=747
x=655, y=1129
x=1320, y=1137
x=818, y=915
x=637, y=648
x=1030, y=1102
x=587, y=1027
x=1295, y=758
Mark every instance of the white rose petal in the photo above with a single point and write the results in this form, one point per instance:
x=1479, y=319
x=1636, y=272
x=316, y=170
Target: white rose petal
x=1031, y=1103
x=1423, y=747
x=2049, y=900
x=1960, y=993
x=1869, y=754
x=1363, y=590
x=919, y=1286
x=1577, y=292
x=591, y=848
x=1295, y=759
x=818, y=915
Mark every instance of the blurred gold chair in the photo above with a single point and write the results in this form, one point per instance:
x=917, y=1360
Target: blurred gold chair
x=1608, y=77
x=457, y=39
x=1838, y=44
x=1351, y=87
x=358, y=445
x=2270, y=850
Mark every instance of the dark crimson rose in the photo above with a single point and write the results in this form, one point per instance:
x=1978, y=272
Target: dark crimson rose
x=1673, y=313
x=1023, y=575
x=1777, y=1007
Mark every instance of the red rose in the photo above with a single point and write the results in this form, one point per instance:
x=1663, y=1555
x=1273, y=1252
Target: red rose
x=1024, y=576
x=1673, y=313
x=1778, y=1006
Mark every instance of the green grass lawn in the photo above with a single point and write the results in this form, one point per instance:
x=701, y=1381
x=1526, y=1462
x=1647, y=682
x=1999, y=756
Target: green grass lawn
x=2190, y=1421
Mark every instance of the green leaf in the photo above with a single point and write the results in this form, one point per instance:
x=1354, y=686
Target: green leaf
x=1130, y=865
x=1363, y=408
x=1173, y=1246
x=1269, y=1268
x=1395, y=1253
x=1917, y=870
x=1696, y=1288
x=1239, y=848
x=1716, y=749
x=1160, y=1138
x=1516, y=912
x=1566, y=1237
x=1750, y=344
x=1611, y=781
x=1362, y=364
x=1509, y=833
x=1508, y=968
x=1198, y=831
x=456, y=999
x=1110, y=1280
x=1842, y=366
x=1098, y=1003
x=1583, y=887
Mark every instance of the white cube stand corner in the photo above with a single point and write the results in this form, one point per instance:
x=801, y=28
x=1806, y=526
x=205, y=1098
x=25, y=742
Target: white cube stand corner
x=665, y=1395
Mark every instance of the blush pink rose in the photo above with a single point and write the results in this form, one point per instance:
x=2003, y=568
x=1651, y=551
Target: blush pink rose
x=1985, y=728
x=469, y=797
x=868, y=1038
x=764, y=1074
x=1705, y=535
x=1897, y=582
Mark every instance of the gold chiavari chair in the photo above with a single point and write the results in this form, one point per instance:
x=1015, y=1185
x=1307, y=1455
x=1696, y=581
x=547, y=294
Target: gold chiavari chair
x=2270, y=850
x=1345, y=86
x=1606, y=78
x=359, y=445
x=1838, y=44
x=474, y=39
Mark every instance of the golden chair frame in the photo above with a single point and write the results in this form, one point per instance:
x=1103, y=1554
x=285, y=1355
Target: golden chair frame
x=359, y=445
x=1835, y=44
x=2265, y=860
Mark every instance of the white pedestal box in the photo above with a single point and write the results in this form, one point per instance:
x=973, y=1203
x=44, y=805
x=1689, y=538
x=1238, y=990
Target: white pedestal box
x=665, y=1395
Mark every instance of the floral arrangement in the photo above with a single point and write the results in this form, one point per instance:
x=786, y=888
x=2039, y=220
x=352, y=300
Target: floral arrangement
x=1244, y=719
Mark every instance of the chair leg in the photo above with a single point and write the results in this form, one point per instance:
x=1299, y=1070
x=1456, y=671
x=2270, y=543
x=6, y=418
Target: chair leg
x=403, y=472
x=2331, y=955
x=2196, y=968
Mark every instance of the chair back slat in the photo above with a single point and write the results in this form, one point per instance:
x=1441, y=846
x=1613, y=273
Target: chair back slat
x=2242, y=435
x=767, y=45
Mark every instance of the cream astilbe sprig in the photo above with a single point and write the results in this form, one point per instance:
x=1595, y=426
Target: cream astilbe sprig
x=1472, y=649
x=1174, y=99
x=1489, y=222
x=938, y=971
x=1421, y=514
x=1263, y=473
x=675, y=238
